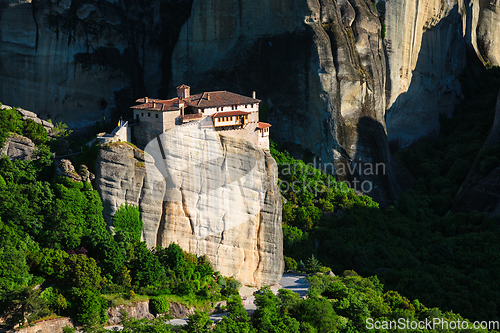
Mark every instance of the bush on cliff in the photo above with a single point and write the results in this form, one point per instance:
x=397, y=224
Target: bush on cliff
x=127, y=219
x=10, y=122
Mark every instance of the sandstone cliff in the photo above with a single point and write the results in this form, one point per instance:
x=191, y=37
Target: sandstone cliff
x=18, y=147
x=121, y=177
x=485, y=24
x=211, y=194
x=426, y=53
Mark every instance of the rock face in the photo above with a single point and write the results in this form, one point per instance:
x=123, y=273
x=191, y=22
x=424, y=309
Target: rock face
x=426, y=53
x=341, y=78
x=485, y=24
x=482, y=193
x=53, y=326
x=322, y=73
x=33, y=116
x=64, y=168
x=18, y=147
x=139, y=310
x=211, y=194
x=121, y=177
x=74, y=61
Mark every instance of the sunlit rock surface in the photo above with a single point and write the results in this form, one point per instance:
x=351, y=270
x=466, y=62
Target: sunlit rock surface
x=211, y=194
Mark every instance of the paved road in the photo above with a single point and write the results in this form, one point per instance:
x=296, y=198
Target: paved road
x=293, y=282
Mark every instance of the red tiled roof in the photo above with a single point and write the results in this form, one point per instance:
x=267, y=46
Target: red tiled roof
x=214, y=99
x=229, y=114
x=210, y=99
x=264, y=125
x=160, y=104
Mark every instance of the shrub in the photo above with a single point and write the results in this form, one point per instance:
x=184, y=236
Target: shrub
x=232, y=287
x=290, y=263
x=128, y=219
x=69, y=329
x=10, y=121
x=159, y=304
x=36, y=132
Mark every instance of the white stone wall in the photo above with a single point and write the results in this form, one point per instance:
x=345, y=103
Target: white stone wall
x=120, y=133
x=263, y=142
x=241, y=107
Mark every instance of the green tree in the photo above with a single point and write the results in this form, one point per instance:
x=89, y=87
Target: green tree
x=89, y=306
x=128, y=219
x=10, y=122
x=14, y=270
x=83, y=273
x=313, y=265
x=199, y=322
x=269, y=316
x=26, y=305
x=145, y=268
x=320, y=314
x=50, y=263
x=34, y=131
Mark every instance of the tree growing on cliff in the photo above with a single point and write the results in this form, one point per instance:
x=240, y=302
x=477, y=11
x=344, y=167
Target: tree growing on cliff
x=36, y=132
x=10, y=122
x=128, y=220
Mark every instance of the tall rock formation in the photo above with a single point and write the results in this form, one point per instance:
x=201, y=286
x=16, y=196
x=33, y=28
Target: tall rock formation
x=211, y=194
x=485, y=24
x=426, y=53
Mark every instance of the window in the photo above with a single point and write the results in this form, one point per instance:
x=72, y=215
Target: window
x=157, y=115
x=251, y=105
x=246, y=106
x=149, y=114
x=142, y=114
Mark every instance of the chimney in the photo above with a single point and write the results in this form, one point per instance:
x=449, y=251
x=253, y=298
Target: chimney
x=208, y=96
x=183, y=91
x=146, y=100
x=154, y=104
x=254, y=95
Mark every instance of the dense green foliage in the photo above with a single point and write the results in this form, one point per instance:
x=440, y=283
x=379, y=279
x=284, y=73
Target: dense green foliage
x=127, y=220
x=52, y=231
x=335, y=304
x=445, y=260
